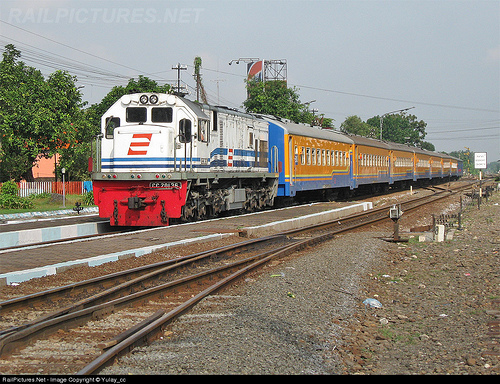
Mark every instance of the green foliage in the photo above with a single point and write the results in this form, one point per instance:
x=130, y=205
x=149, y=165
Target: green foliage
x=400, y=128
x=354, y=125
x=38, y=116
x=9, y=198
x=88, y=198
x=396, y=128
x=276, y=99
x=9, y=188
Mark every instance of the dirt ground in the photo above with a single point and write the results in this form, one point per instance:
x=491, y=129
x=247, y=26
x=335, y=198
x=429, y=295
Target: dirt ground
x=440, y=304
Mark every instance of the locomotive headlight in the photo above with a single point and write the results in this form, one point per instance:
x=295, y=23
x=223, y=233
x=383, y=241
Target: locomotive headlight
x=153, y=99
x=144, y=99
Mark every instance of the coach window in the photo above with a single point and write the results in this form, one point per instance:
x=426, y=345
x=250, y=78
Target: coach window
x=302, y=155
x=136, y=115
x=161, y=115
x=328, y=157
x=111, y=124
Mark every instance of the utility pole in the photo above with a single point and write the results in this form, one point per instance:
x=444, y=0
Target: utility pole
x=179, y=68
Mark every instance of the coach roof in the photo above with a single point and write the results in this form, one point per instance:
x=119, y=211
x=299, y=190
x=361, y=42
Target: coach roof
x=314, y=132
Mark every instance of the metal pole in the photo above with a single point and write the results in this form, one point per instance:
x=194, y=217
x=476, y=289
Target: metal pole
x=64, y=188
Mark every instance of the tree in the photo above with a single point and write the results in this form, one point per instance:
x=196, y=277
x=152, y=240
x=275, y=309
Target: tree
x=37, y=115
x=354, y=125
x=467, y=158
x=276, y=99
x=400, y=128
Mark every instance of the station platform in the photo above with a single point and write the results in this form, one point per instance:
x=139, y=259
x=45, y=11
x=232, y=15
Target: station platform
x=37, y=261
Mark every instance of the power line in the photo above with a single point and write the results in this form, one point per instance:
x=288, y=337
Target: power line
x=464, y=130
x=398, y=100
x=73, y=48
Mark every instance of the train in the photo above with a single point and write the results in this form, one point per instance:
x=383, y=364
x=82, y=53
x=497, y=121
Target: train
x=162, y=158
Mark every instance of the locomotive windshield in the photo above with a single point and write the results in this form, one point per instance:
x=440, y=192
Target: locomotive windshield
x=161, y=115
x=136, y=115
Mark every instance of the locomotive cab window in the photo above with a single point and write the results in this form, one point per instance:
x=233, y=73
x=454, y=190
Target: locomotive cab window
x=111, y=124
x=203, y=130
x=185, y=131
x=136, y=115
x=161, y=115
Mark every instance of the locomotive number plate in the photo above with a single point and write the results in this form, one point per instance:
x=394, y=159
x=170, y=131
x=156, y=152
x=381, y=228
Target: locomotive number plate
x=165, y=184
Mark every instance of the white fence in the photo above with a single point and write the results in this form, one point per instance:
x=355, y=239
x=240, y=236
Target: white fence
x=36, y=187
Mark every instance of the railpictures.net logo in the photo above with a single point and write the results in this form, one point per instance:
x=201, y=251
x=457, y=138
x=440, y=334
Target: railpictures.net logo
x=105, y=15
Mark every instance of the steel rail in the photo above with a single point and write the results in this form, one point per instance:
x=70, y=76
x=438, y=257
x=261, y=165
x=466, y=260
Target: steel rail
x=153, y=328
x=17, y=337
x=111, y=279
x=22, y=336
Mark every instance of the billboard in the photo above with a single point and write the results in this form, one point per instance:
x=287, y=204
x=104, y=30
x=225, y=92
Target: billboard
x=255, y=71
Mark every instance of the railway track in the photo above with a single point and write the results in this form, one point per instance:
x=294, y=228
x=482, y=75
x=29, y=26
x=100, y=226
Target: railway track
x=106, y=317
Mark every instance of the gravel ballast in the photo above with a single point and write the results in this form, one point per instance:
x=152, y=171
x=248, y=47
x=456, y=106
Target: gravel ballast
x=277, y=321
x=305, y=314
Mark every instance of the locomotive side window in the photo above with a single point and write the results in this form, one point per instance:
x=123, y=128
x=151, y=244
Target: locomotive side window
x=203, y=129
x=111, y=124
x=185, y=131
x=161, y=115
x=136, y=115
x=214, y=116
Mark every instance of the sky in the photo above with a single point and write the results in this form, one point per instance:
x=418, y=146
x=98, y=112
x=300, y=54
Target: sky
x=441, y=58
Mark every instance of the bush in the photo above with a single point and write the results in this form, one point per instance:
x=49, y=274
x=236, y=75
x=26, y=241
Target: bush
x=14, y=202
x=9, y=198
x=88, y=198
x=9, y=188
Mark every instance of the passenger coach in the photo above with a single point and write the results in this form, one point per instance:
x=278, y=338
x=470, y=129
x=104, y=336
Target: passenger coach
x=310, y=159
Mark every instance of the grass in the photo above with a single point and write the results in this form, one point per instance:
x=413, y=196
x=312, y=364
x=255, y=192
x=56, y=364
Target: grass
x=47, y=202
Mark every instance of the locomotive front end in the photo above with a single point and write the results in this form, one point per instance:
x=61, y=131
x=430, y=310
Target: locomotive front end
x=145, y=138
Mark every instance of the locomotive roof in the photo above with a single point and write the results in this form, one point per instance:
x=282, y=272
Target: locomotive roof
x=314, y=132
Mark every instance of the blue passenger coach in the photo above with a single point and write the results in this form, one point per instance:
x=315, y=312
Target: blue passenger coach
x=310, y=159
